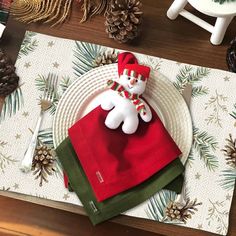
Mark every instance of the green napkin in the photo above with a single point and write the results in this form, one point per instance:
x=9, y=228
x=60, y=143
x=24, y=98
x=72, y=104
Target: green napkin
x=101, y=211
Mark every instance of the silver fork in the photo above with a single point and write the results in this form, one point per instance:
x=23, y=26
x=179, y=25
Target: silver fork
x=45, y=103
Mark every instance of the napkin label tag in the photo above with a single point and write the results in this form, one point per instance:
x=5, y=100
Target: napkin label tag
x=93, y=206
x=99, y=176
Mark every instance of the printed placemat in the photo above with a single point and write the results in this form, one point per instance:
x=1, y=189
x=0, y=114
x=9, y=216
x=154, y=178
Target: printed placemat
x=211, y=168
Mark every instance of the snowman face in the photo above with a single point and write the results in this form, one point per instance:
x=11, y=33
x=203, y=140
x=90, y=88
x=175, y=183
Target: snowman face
x=132, y=84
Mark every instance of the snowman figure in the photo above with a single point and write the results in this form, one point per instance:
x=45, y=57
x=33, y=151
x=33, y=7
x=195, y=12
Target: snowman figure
x=123, y=97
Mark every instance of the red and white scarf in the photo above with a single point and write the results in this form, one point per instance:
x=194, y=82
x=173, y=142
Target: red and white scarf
x=134, y=98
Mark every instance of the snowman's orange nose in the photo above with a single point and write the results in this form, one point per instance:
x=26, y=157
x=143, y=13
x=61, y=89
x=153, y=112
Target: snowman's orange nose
x=133, y=81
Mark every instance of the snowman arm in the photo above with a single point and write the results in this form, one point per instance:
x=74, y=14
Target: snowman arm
x=148, y=115
x=106, y=102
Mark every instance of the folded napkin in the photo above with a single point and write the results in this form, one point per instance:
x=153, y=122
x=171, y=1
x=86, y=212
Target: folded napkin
x=114, y=161
x=101, y=211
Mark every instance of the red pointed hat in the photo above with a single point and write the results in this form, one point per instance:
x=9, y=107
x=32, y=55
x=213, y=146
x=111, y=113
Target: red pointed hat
x=128, y=64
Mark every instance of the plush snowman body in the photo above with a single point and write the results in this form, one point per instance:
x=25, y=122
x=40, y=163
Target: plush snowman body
x=122, y=108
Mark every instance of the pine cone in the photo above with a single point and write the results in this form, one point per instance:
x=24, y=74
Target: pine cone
x=106, y=58
x=231, y=56
x=8, y=78
x=176, y=212
x=123, y=19
x=181, y=212
x=43, y=163
x=230, y=151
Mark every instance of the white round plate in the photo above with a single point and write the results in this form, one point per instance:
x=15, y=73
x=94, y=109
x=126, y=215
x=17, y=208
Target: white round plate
x=84, y=94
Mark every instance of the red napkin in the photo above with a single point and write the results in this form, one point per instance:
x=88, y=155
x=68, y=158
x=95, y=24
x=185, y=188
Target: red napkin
x=113, y=161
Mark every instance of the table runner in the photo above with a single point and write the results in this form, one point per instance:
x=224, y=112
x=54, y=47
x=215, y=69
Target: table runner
x=210, y=171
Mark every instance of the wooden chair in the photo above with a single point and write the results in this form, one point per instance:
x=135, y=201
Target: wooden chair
x=223, y=12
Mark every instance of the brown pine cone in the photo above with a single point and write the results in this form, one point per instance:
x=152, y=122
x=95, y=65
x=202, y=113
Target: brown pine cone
x=8, y=78
x=106, y=58
x=181, y=212
x=43, y=163
x=230, y=151
x=123, y=19
x=231, y=56
x=173, y=211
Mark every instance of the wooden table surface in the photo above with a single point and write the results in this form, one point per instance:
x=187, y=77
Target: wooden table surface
x=178, y=40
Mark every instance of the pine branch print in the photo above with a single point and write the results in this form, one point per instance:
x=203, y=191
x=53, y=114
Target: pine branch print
x=188, y=75
x=40, y=83
x=65, y=83
x=203, y=144
x=85, y=54
x=89, y=56
x=28, y=45
x=199, y=74
x=202, y=137
x=183, y=78
x=185, y=194
x=216, y=103
x=216, y=213
x=5, y=160
x=199, y=91
x=190, y=159
x=164, y=207
x=46, y=137
x=158, y=203
x=153, y=62
x=53, y=107
x=13, y=103
x=227, y=181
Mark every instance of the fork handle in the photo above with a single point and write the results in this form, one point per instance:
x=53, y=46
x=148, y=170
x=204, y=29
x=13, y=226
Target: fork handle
x=26, y=163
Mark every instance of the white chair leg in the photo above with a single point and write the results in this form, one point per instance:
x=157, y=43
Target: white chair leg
x=220, y=28
x=176, y=7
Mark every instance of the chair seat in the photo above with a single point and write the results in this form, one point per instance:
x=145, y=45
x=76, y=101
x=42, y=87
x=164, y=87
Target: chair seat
x=223, y=12
x=211, y=8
